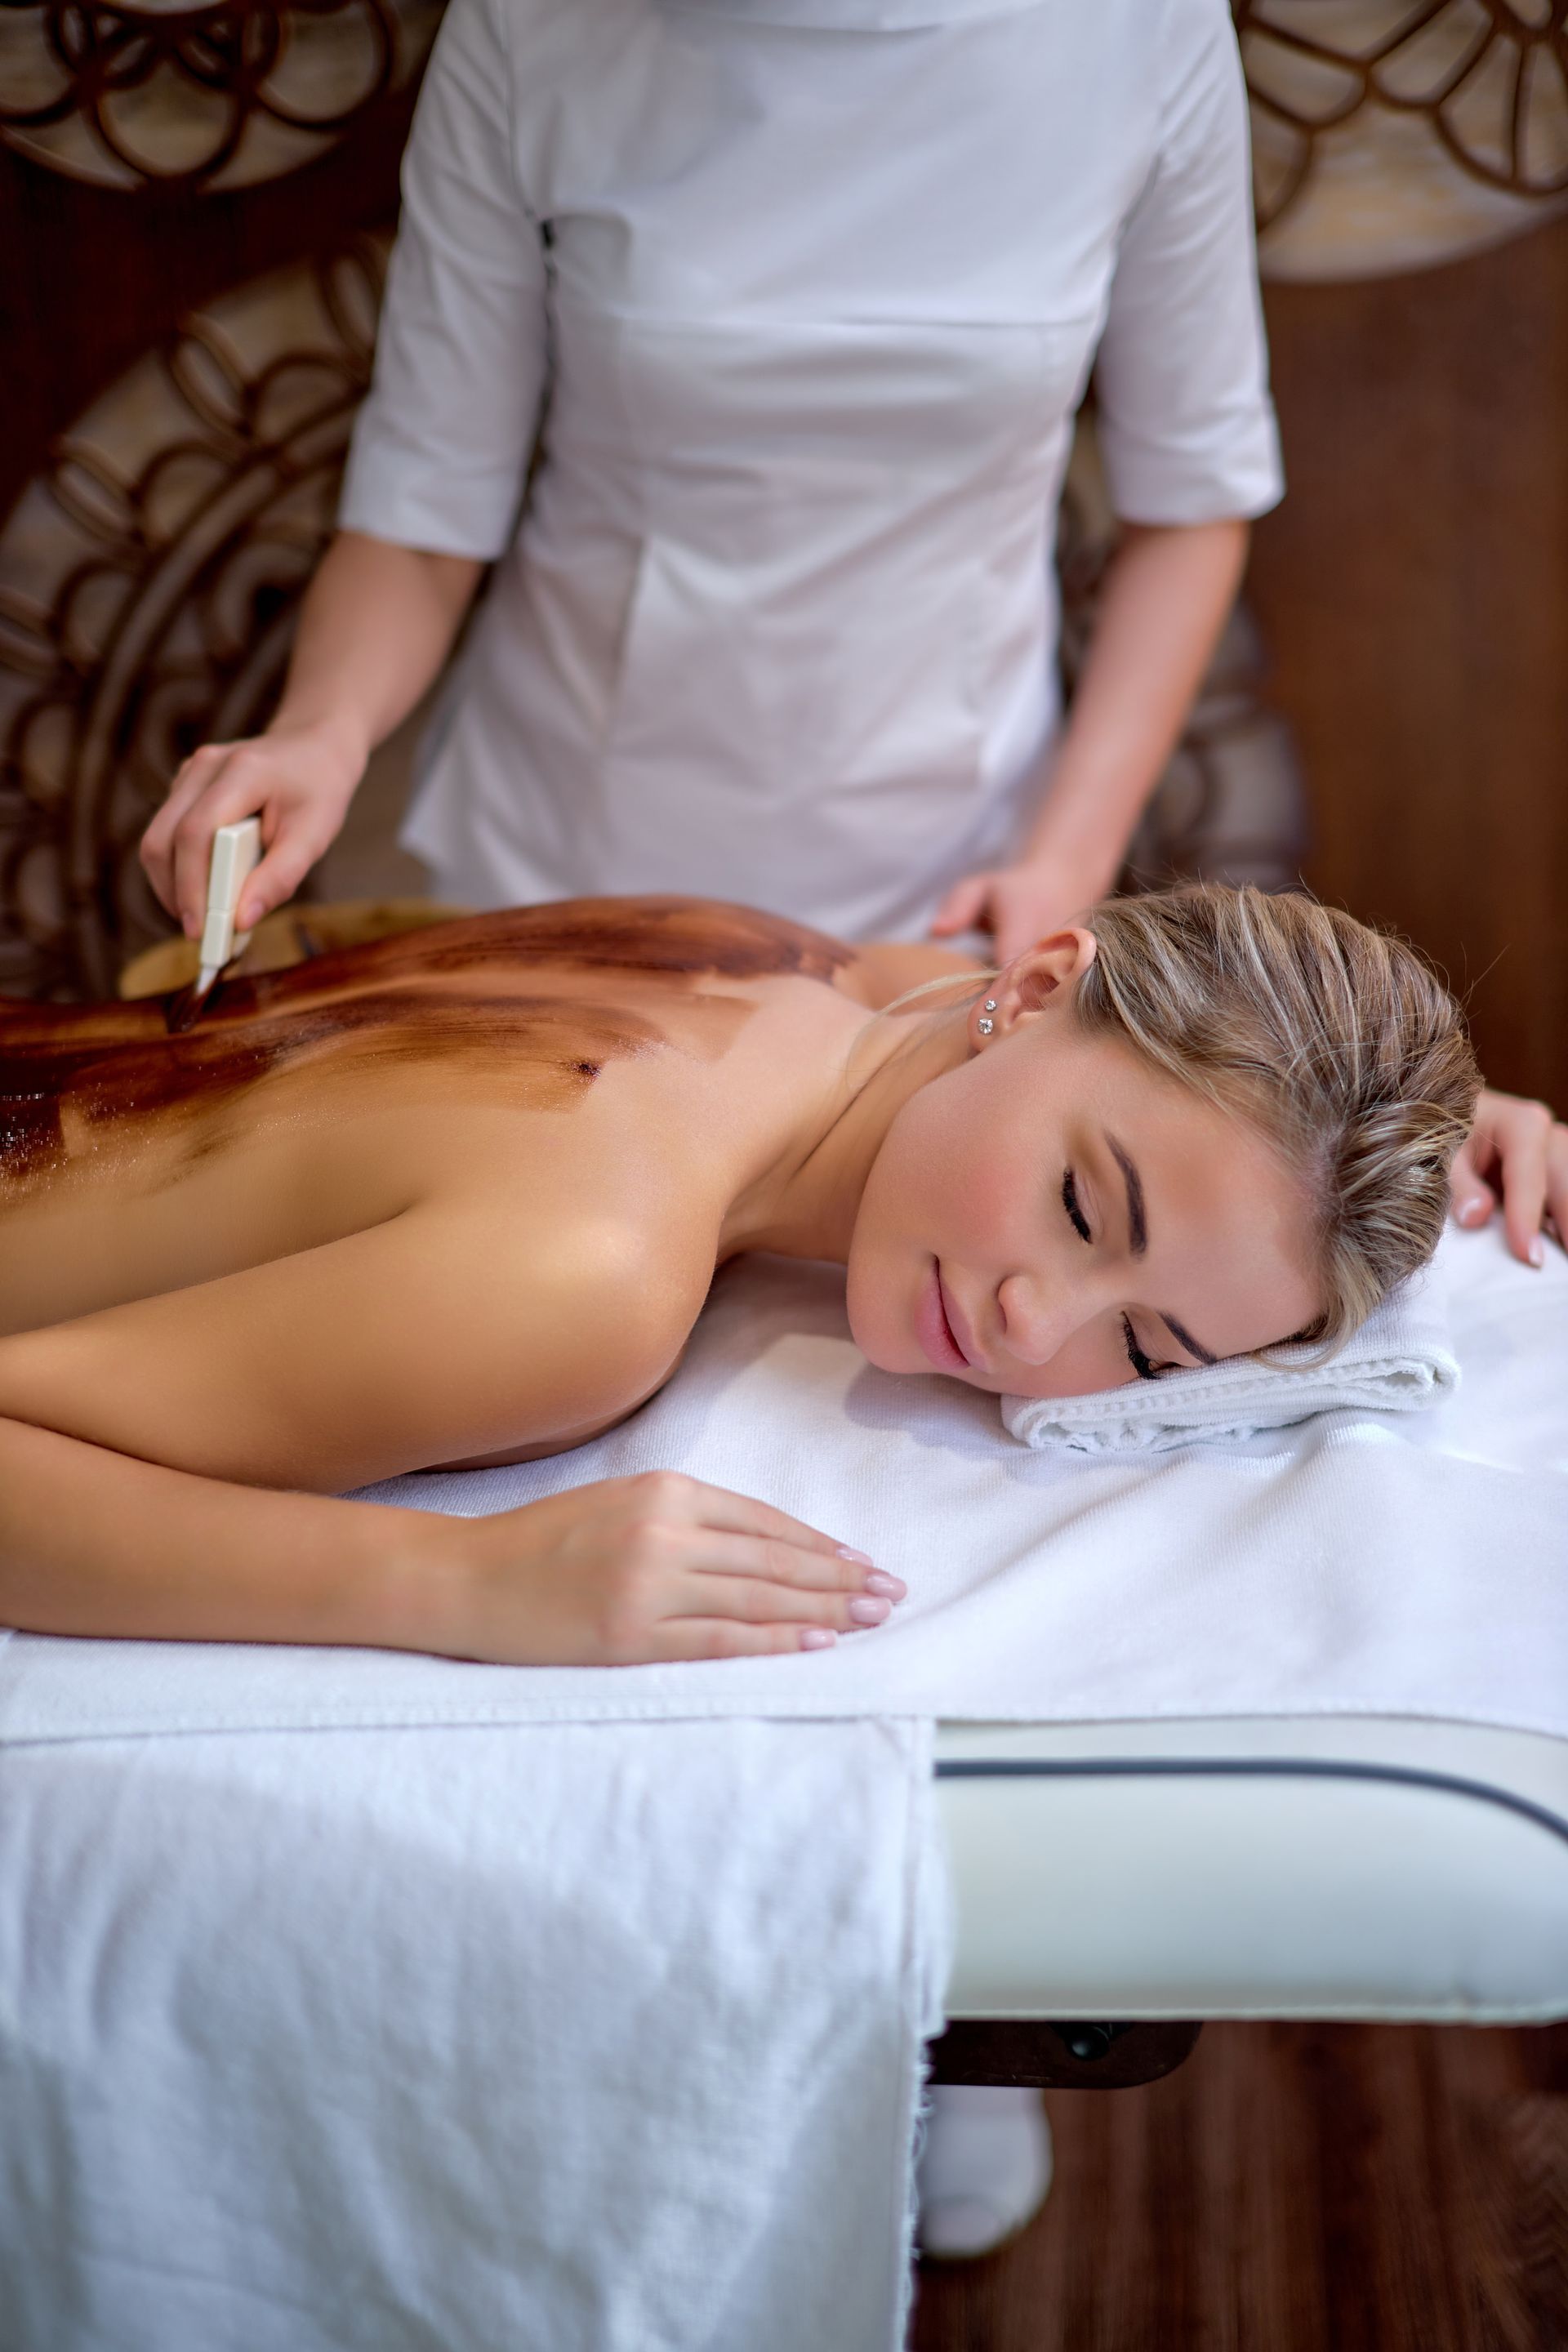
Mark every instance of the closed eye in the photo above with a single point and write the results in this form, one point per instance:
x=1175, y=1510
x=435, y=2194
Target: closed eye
x=1138, y=1360
x=1076, y=1217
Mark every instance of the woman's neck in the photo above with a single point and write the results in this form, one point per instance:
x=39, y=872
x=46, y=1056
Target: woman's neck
x=805, y=1204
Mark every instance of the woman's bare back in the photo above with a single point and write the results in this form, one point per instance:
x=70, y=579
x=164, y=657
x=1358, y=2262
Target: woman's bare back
x=454, y=1195
x=321, y=1100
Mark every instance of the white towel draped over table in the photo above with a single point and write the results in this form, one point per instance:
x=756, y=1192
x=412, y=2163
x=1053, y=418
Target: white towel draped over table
x=549, y=2040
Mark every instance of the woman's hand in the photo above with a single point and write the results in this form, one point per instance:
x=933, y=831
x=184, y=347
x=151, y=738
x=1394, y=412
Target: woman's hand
x=1517, y=1153
x=377, y=622
x=299, y=780
x=1019, y=904
x=630, y=1570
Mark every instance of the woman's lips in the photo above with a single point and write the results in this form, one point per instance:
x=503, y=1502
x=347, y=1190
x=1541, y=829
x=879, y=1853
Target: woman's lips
x=961, y=1329
x=936, y=1328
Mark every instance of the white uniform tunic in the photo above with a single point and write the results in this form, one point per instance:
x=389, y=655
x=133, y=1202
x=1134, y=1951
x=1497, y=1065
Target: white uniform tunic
x=804, y=294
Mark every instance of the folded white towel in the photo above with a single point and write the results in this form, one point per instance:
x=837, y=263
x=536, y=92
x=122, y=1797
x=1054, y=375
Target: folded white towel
x=1401, y=1359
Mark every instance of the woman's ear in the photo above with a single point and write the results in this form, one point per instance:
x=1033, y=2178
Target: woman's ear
x=1040, y=981
x=1048, y=969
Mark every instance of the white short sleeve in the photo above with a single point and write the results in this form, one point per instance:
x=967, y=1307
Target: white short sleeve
x=1186, y=424
x=441, y=445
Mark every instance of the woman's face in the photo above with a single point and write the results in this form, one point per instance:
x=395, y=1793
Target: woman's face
x=1055, y=1217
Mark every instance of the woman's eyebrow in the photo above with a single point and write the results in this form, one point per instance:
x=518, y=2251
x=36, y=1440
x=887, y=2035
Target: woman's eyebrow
x=1184, y=1337
x=1137, y=1223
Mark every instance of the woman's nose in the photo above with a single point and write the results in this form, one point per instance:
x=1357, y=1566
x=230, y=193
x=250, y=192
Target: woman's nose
x=1036, y=1321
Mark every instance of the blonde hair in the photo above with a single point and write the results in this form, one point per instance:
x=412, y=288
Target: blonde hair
x=1333, y=1040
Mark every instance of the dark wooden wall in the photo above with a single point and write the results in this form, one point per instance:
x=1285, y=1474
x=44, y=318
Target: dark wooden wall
x=92, y=278
x=1414, y=587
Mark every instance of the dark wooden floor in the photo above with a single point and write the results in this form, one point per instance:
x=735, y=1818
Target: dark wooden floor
x=1294, y=2188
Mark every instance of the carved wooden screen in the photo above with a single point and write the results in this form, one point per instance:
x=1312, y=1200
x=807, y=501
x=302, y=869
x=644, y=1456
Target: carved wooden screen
x=196, y=204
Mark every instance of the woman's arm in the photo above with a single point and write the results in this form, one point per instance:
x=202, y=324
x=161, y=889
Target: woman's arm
x=447, y=1331
x=123, y=1436
x=623, y=1573
x=1186, y=434
x=376, y=625
x=1166, y=597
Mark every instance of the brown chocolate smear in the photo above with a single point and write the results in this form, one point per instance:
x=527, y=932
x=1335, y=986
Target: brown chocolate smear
x=182, y=1008
x=31, y=1141
x=672, y=937
x=119, y=1060
x=549, y=1050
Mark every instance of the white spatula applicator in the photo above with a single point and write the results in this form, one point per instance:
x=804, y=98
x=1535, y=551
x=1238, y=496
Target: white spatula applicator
x=236, y=849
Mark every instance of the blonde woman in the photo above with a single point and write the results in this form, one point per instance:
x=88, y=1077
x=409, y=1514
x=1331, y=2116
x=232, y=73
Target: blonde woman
x=458, y=1197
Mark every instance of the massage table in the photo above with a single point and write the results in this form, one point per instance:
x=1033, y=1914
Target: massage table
x=1303, y=1763
x=1276, y=1867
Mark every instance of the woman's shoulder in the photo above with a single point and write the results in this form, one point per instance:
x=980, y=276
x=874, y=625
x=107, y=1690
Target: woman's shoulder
x=887, y=969
x=565, y=1319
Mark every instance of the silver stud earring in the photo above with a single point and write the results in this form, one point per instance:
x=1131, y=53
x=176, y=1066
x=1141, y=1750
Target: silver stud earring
x=985, y=1024
x=989, y=1005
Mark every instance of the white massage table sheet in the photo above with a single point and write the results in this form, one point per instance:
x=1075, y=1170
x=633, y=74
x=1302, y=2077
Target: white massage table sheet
x=1406, y=1565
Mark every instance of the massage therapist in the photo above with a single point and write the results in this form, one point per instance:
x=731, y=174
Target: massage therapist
x=745, y=338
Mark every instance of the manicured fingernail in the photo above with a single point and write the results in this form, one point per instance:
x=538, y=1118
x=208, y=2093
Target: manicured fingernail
x=249, y=915
x=864, y=1610
x=1538, y=1253
x=818, y=1637
x=1472, y=1212
x=891, y=1588
x=860, y=1559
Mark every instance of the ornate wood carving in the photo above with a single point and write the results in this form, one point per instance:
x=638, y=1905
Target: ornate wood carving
x=148, y=583
x=220, y=94
x=1387, y=133
x=1488, y=74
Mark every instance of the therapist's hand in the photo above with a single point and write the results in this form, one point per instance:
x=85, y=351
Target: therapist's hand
x=1020, y=904
x=1516, y=1153
x=299, y=780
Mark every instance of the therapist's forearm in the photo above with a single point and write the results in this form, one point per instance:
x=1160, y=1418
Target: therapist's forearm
x=376, y=625
x=1166, y=597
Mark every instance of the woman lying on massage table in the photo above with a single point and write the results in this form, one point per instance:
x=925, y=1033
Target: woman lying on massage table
x=458, y=1197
